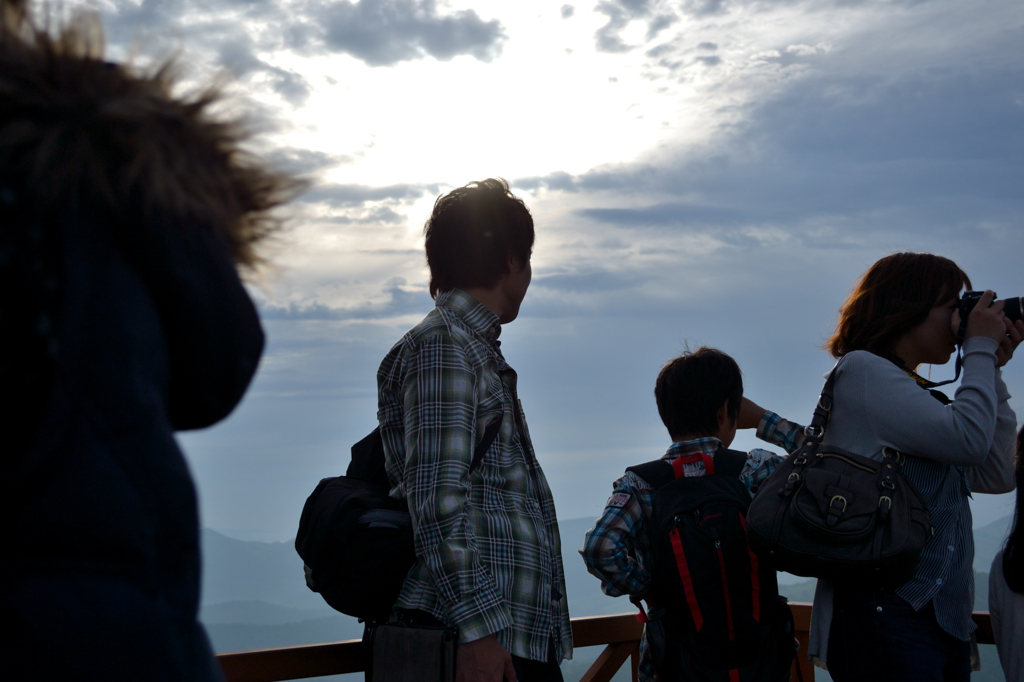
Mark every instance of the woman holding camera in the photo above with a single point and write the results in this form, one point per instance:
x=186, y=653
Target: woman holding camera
x=904, y=312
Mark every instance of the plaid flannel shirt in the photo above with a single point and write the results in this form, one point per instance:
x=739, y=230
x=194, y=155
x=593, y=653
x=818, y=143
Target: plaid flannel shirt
x=487, y=545
x=616, y=549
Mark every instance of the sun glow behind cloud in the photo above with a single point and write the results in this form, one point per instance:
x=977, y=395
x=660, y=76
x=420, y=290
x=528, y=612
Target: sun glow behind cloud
x=700, y=171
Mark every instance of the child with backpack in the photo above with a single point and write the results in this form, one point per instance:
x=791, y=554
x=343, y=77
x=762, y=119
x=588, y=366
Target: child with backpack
x=673, y=534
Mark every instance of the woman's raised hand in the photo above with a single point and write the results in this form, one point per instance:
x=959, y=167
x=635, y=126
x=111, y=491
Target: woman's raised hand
x=987, y=319
x=1009, y=343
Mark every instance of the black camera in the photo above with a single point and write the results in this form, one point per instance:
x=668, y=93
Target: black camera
x=1011, y=308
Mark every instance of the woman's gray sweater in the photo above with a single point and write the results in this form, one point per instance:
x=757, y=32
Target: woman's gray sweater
x=952, y=450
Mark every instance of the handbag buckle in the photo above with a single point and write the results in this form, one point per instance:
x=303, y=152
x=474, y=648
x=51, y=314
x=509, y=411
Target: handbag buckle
x=791, y=482
x=833, y=513
x=885, y=511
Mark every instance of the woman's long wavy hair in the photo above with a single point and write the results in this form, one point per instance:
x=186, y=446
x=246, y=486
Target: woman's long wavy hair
x=1013, y=552
x=894, y=296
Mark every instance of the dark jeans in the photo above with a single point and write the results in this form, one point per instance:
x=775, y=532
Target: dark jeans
x=526, y=670
x=878, y=637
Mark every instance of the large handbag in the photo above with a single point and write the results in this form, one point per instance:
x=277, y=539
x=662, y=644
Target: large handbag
x=829, y=513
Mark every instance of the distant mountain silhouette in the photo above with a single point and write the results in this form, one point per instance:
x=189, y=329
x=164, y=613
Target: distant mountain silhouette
x=255, y=594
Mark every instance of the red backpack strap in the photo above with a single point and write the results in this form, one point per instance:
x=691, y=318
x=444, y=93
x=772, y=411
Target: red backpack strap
x=678, y=462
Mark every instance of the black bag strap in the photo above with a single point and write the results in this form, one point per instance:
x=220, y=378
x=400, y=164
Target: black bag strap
x=814, y=433
x=729, y=462
x=659, y=473
x=490, y=433
x=656, y=474
x=368, y=455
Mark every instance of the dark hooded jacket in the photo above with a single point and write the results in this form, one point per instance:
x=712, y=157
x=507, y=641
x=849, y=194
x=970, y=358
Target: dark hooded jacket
x=122, y=319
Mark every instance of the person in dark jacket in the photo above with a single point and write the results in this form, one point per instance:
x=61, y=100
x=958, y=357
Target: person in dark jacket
x=124, y=215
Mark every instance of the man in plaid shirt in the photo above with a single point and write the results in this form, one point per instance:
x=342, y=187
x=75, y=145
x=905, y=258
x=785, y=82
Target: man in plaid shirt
x=700, y=400
x=488, y=553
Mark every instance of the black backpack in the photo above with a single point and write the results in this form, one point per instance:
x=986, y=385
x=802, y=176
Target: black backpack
x=355, y=541
x=716, y=611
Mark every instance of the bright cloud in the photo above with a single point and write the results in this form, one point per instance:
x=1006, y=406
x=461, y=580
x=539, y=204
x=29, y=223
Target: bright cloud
x=700, y=171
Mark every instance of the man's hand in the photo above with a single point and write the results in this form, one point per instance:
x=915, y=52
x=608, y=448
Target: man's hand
x=750, y=414
x=483, y=660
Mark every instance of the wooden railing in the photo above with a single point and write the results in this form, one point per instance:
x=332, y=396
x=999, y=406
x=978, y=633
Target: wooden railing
x=619, y=634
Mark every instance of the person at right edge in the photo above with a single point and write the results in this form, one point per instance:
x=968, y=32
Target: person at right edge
x=903, y=313
x=1006, y=586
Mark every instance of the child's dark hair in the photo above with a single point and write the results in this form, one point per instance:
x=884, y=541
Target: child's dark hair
x=1013, y=552
x=691, y=388
x=472, y=232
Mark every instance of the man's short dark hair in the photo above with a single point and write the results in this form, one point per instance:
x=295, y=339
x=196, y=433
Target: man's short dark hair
x=691, y=388
x=472, y=232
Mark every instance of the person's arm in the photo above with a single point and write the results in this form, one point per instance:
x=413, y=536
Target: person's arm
x=609, y=547
x=759, y=466
x=995, y=475
x=771, y=428
x=902, y=416
x=439, y=420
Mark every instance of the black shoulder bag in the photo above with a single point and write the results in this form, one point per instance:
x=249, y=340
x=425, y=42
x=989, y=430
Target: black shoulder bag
x=829, y=513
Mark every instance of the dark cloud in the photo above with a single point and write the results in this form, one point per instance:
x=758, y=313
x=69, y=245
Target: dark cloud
x=704, y=8
x=381, y=215
x=237, y=54
x=567, y=11
x=378, y=32
x=621, y=12
x=927, y=154
x=660, y=50
x=305, y=161
x=401, y=302
x=559, y=180
x=707, y=46
x=385, y=32
x=356, y=195
x=693, y=216
x=713, y=60
x=590, y=281
x=658, y=24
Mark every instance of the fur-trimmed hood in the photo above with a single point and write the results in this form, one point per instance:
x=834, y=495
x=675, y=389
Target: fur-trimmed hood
x=78, y=132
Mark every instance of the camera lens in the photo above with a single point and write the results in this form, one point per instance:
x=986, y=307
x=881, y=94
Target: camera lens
x=1012, y=308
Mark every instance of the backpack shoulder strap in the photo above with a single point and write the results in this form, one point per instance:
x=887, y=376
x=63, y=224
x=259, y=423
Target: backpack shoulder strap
x=368, y=460
x=490, y=433
x=368, y=455
x=657, y=473
x=729, y=462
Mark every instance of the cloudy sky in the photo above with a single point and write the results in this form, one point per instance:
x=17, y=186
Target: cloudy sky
x=700, y=172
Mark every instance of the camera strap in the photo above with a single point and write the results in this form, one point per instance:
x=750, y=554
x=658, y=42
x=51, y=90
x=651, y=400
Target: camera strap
x=929, y=385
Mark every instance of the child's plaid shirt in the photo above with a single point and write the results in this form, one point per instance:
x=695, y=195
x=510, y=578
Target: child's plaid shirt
x=616, y=549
